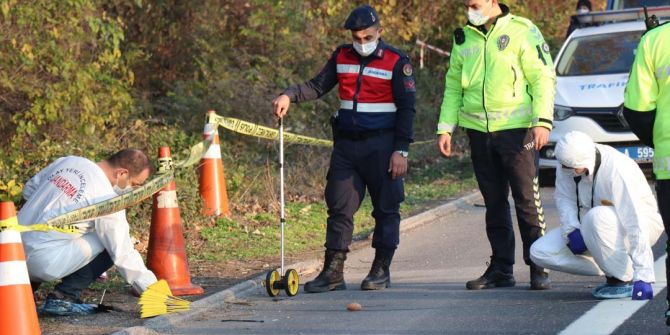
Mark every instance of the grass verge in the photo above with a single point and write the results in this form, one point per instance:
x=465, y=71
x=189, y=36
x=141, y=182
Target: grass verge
x=257, y=235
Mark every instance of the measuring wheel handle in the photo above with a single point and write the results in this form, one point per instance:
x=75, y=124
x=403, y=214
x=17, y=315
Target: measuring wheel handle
x=291, y=282
x=272, y=283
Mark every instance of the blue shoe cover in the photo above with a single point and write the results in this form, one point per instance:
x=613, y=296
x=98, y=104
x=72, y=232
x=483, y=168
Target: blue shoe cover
x=67, y=308
x=607, y=291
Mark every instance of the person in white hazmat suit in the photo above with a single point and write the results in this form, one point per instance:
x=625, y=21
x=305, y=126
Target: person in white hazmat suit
x=65, y=185
x=609, y=219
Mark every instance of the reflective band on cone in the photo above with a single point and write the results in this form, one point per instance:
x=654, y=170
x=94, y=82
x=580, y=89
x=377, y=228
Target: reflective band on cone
x=214, y=151
x=167, y=199
x=14, y=273
x=167, y=250
x=18, y=315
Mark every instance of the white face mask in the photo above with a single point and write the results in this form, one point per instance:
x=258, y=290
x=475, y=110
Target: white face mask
x=575, y=174
x=367, y=48
x=477, y=17
x=121, y=191
x=582, y=11
x=572, y=172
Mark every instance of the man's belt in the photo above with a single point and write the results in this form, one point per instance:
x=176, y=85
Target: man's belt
x=360, y=135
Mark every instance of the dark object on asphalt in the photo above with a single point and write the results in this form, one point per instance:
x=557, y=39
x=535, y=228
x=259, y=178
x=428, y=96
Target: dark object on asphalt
x=379, y=277
x=105, y=308
x=331, y=277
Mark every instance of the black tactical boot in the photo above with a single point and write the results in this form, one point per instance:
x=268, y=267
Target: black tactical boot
x=331, y=277
x=539, y=278
x=493, y=277
x=379, y=277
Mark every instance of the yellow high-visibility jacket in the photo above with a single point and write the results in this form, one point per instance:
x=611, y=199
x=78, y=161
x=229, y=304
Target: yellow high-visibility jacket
x=500, y=80
x=648, y=89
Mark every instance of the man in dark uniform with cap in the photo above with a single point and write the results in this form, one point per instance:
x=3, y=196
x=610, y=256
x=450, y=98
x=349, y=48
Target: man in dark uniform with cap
x=372, y=132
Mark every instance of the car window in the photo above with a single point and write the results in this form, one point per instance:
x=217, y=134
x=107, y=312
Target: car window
x=599, y=54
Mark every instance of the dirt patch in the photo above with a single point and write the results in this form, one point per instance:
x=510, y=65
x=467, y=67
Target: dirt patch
x=212, y=276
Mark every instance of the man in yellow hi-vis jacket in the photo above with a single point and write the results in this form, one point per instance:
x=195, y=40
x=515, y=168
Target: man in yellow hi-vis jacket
x=647, y=109
x=500, y=87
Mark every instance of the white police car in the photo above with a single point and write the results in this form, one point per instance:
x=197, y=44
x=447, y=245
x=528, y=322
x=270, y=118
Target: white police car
x=625, y=4
x=592, y=70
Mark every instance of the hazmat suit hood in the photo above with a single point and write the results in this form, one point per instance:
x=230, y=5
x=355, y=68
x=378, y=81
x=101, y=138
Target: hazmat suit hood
x=576, y=150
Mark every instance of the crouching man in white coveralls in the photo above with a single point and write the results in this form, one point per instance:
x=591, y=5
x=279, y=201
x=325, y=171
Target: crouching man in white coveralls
x=77, y=260
x=609, y=220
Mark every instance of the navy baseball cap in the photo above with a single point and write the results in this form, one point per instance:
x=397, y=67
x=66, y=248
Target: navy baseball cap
x=361, y=18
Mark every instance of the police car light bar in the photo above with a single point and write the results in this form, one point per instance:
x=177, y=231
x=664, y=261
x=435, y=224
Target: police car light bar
x=634, y=14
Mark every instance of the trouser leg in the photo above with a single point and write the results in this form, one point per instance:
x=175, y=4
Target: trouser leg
x=74, y=283
x=604, y=238
x=386, y=193
x=520, y=160
x=663, y=197
x=550, y=251
x=344, y=193
x=494, y=186
x=35, y=286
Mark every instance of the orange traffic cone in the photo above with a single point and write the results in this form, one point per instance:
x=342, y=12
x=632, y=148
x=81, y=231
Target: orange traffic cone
x=212, y=179
x=17, y=304
x=167, y=251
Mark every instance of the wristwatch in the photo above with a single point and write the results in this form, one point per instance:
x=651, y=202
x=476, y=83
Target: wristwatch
x=403, y=153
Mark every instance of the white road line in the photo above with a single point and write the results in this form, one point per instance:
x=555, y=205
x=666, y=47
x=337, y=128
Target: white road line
x=607, y=315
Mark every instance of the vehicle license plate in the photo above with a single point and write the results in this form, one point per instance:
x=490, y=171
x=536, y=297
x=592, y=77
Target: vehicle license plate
x=638, y=154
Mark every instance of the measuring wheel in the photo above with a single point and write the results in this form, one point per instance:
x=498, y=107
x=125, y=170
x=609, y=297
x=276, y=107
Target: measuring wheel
x=291, y=282
x=272, y=283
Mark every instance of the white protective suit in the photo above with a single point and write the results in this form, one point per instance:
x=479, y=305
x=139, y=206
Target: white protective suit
x=67, y=184
x=620, y=220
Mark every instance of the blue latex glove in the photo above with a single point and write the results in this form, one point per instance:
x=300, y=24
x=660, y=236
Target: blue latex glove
x=576, y=242
x=642, y=291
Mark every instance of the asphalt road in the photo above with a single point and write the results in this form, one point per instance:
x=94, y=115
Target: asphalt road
x=428, y=294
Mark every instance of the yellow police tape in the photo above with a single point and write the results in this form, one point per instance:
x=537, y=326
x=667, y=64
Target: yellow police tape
x=66, y=222
x=255, y=130
x=13, y=223
x=252, y=129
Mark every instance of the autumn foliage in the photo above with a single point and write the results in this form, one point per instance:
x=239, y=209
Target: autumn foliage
x=86, y=77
